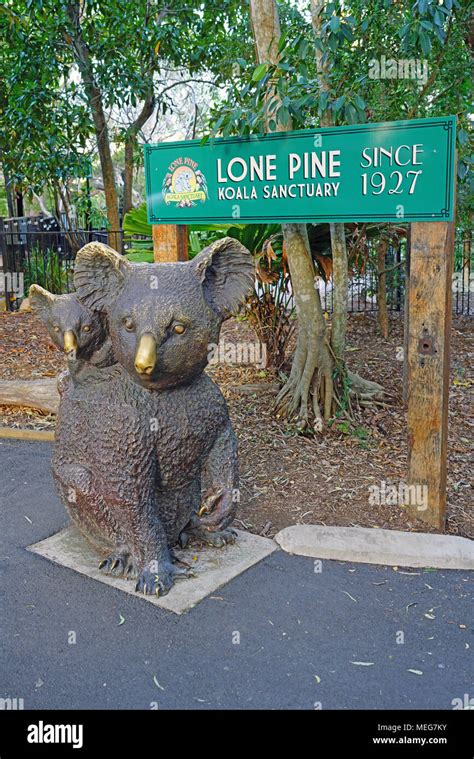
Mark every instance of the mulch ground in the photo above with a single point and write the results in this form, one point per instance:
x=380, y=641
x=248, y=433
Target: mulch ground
x=289, y=478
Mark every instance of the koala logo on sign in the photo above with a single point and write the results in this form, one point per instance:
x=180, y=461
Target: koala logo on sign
x=184, y=184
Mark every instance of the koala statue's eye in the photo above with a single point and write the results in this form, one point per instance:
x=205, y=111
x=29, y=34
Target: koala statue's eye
x=86, y=328
x=128, y=324
x=179, y=329
x=56, y=328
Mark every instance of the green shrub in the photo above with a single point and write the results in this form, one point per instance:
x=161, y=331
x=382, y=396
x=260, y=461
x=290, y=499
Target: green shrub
x=47, y=269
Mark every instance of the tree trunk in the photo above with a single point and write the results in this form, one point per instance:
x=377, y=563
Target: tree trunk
x=9, y=193
x=266, y=29
x=406, y=316
x=382, y=311
x=94, y=97
x=311, y=370
x=128, y=173
x=39, y=199
x=20, y=207
x=130, y=144
x=310, y=380
x=362, y=389
x=338, y=237
x=340, y=279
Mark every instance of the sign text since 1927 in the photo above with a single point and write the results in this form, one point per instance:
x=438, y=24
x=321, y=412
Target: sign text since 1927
x=397, y=171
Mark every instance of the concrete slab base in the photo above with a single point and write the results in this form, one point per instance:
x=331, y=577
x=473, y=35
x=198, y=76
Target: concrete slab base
x=375, y=546
x=213, y=566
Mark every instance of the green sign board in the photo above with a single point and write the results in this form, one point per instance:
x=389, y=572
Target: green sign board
x=395, y=171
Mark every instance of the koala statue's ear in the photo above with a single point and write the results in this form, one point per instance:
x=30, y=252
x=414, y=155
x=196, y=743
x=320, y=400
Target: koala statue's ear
x=99, y=275
x=227, y=272
x=41, y=301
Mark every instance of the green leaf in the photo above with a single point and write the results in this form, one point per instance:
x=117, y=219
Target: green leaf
x=303, y=49
x=350, y=113
x=283, y=115
x=140, y=256
x=333, y=42
x=425, y=42
x=462, y=170
x=335, y=23
x=404, y=31
x=319, y=44
x=282, y=41
x=323, y=100
x=259, y=72
x=347, y=32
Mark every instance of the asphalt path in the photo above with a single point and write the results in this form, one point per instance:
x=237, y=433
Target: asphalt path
x=287, y=633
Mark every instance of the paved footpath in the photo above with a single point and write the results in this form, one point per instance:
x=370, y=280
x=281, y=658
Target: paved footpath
x=281, y=635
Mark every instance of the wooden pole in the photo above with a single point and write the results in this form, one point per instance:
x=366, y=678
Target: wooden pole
x=429, y=303
x=170, y=243
x=406, y=317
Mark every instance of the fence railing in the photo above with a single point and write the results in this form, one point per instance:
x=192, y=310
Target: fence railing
x=46, y=257
x=31, y=253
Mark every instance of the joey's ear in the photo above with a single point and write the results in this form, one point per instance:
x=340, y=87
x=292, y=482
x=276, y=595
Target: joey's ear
x=227, y=272
x=41, y=301
x=99, y=275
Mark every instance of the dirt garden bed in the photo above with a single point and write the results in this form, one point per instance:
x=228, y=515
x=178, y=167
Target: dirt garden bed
x=288, y=478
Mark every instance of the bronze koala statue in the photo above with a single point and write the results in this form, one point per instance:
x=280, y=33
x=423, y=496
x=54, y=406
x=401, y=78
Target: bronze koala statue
x=81, y=333
x=133, y=442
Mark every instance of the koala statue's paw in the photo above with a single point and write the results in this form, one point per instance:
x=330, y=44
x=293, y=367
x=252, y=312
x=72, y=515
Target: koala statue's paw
x=120, y=564
x=217, y=511
x=159, y=576
x=218, y=539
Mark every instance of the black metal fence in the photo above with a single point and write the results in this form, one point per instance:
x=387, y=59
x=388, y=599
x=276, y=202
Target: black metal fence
x=363, y=283
x=36, y=251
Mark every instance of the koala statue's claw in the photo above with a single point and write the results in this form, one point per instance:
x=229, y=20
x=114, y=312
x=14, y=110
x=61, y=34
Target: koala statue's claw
x=220, y=538
x=184, y=538
x=217, y=539
x=158, y=577
x=119, y=564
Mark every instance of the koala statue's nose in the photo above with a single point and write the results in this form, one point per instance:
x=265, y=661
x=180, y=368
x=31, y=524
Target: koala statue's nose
x=70, y=342
x=145, y=357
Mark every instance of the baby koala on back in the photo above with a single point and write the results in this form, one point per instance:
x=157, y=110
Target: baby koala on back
x=75, y=329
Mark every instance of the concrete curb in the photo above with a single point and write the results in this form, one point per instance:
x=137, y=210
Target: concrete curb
x=377, y=546
x=24, y=434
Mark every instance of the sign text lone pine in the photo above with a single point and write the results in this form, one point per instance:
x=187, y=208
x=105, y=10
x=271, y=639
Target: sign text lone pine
x=394, y=171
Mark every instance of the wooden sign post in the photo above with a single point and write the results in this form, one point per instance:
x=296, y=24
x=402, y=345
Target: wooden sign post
x=170, y=243
x=429, y=325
